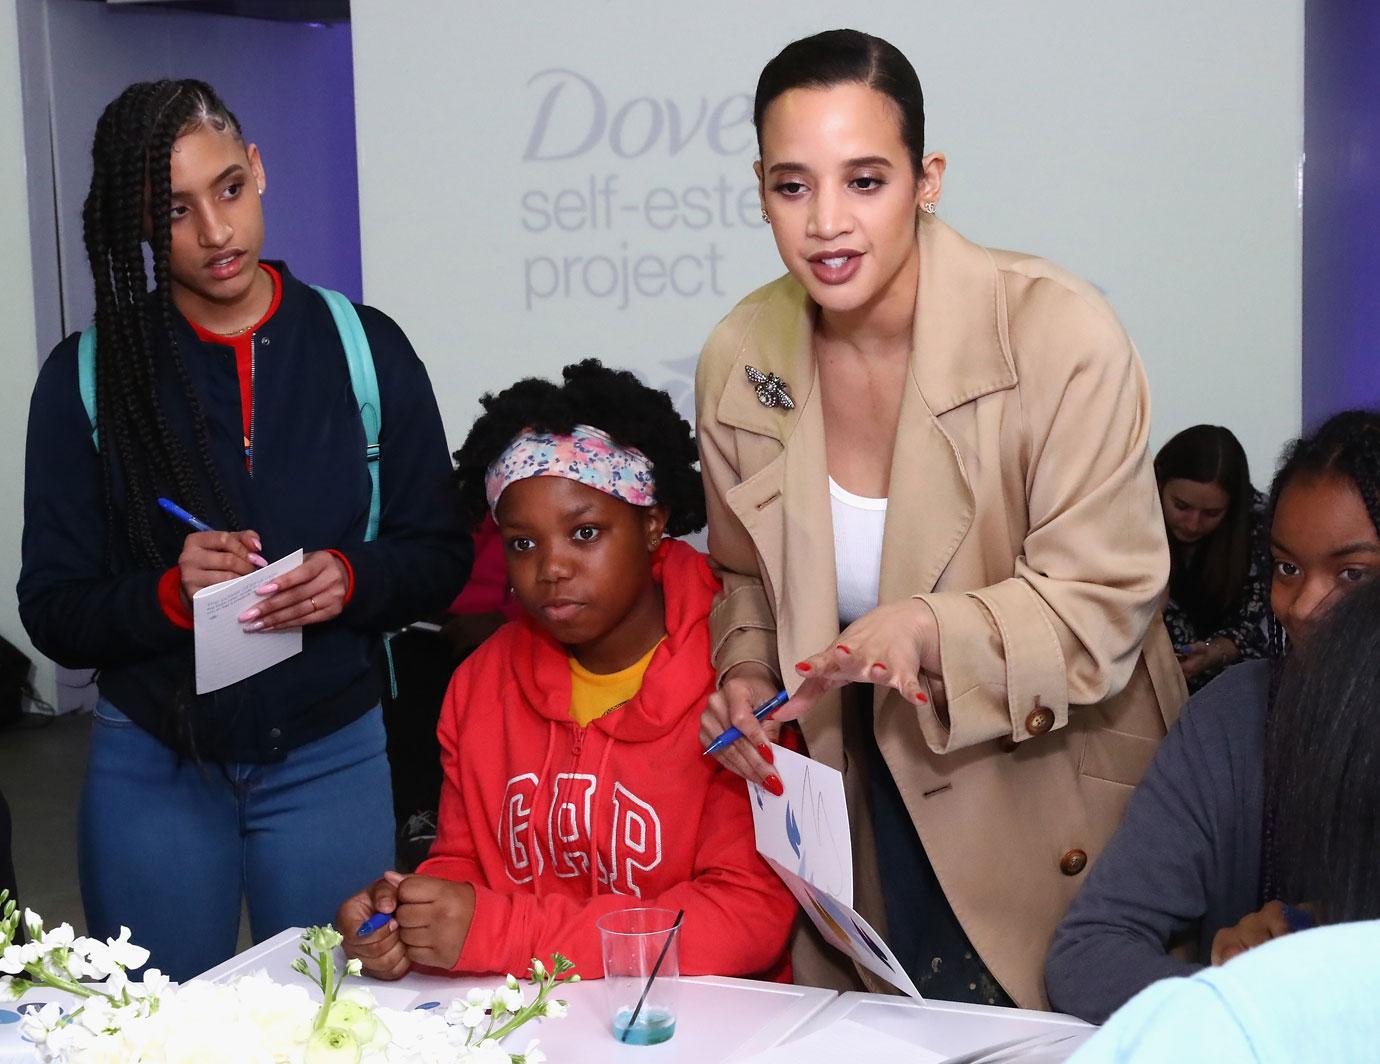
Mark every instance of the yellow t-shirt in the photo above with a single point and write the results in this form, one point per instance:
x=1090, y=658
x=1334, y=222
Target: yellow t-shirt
x=592, y=694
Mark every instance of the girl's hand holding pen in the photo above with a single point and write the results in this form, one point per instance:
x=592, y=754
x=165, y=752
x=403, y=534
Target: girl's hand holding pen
x=429, y=919
x=212, y=557
x=381, y=952
x=313, y=592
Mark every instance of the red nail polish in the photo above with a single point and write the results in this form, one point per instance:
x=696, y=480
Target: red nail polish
x=920, y=697
x=765, y=750
x=879, y=665
x=844, y=649
x=773, y=784
x=803, y=666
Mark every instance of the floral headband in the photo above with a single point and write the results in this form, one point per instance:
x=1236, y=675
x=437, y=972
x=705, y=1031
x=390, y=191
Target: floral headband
x=587, y=455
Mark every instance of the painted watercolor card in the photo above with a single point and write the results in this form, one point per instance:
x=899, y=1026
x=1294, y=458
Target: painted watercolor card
x=804, y=836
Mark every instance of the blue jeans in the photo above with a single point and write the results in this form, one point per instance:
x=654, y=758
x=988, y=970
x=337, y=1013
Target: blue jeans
x=168, y=847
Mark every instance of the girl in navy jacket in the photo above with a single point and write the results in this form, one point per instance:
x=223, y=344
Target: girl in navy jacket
x=225, y=388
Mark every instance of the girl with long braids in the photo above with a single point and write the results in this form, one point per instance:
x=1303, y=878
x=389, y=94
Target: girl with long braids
x=225, y=387
x=1195, y=859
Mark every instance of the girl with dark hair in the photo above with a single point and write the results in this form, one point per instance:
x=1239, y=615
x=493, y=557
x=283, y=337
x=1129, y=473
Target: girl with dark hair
x=574, y=781
x=225, y=388
x=1218, y=555
x=1322, y=754
x=931, y=502
x=1198, y=859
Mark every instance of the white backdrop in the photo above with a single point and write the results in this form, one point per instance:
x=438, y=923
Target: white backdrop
x=544, y=181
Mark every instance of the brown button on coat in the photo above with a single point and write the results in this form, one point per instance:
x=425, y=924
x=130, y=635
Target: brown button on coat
x=1023, y=509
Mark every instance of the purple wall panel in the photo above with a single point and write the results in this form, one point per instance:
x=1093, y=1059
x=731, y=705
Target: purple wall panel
x=1341, y=208
x=292, y=88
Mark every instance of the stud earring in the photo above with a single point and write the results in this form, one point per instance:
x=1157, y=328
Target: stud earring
x=929, y=207
x=765, y=216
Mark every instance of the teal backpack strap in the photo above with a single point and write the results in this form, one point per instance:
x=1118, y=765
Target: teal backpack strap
x=86, y=379
x=365, y=383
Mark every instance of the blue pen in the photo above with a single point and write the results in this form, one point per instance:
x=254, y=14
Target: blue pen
x=183, y=516
x=762, y=712
x=372, y=924
x=197, y=523
x=1297, y=919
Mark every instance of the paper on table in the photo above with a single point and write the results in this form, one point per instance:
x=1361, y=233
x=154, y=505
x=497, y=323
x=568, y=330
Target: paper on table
x=846, y=1040
x=806, y=828
x=225, y=652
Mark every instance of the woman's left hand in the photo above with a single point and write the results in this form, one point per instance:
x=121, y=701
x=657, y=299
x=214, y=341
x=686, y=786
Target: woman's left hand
x=890, y=645
x=311, y=593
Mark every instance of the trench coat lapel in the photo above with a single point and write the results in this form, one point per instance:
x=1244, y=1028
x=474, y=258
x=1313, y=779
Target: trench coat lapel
x=958, y=355
x=785, y=505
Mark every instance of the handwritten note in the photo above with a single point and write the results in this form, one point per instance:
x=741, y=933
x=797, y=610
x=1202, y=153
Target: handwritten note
x=225, y=652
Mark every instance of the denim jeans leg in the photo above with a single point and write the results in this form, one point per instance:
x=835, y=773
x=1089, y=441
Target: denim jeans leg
x=159, y=848
x=319, y=827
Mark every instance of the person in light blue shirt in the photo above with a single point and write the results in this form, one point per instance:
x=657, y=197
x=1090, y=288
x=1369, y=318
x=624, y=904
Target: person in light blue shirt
x=1310, y=996
x=1304, y=997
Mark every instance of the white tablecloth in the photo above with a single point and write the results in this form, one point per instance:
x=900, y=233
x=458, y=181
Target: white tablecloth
x=718, y=1019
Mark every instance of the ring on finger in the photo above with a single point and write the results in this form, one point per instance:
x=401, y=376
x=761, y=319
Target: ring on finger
x=312, y=600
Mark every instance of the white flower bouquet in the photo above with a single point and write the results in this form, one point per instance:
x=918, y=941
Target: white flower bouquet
x=252, y=1020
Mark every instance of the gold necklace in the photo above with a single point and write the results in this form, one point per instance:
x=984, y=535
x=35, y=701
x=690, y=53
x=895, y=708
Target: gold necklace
x=237, y=332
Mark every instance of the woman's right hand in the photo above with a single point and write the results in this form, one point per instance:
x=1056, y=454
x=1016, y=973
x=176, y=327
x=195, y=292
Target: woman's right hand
x=212, y=557
x=745, y=687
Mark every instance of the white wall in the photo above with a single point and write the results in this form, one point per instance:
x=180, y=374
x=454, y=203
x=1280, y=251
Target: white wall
x=505, y=196
x=17, y=365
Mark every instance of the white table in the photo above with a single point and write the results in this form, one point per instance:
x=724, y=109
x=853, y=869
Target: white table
x=719, y=1019
x=947, y=1027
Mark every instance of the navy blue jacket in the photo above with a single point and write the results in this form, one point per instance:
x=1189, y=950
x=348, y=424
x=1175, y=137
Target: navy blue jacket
x=309, y=488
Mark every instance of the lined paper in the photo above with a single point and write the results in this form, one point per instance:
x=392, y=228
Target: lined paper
x=225, y=652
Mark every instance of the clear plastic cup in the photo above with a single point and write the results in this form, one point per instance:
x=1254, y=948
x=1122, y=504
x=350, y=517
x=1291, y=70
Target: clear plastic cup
x=633, y=941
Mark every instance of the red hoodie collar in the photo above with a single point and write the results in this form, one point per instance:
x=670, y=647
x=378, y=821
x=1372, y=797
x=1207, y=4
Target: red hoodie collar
x=675, y=679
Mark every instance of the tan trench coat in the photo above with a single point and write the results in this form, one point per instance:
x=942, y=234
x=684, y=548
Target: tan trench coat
x=1023, y=509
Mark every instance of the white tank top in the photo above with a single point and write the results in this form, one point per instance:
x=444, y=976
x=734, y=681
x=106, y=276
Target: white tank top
x=858, y=527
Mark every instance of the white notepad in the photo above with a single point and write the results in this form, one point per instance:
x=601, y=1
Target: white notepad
x=225, y=652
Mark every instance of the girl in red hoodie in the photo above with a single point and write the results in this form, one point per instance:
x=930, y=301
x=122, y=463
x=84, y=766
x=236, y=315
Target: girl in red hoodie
x=574, y=778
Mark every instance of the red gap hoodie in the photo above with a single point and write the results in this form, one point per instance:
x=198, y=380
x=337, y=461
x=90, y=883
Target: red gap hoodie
x=555, y=825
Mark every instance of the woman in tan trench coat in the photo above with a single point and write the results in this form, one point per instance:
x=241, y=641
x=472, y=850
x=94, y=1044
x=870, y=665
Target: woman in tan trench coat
x=991, y=407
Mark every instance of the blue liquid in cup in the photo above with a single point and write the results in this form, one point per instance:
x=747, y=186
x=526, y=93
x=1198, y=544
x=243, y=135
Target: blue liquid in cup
x=654, y=1026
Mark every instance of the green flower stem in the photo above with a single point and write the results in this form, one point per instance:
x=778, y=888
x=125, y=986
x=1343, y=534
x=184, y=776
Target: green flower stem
x=326, y=962
x=44, y=978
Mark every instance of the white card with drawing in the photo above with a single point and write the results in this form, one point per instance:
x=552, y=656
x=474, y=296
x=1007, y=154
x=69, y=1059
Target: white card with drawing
x=804, y=836
x=225, y=652
x=806, y=829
